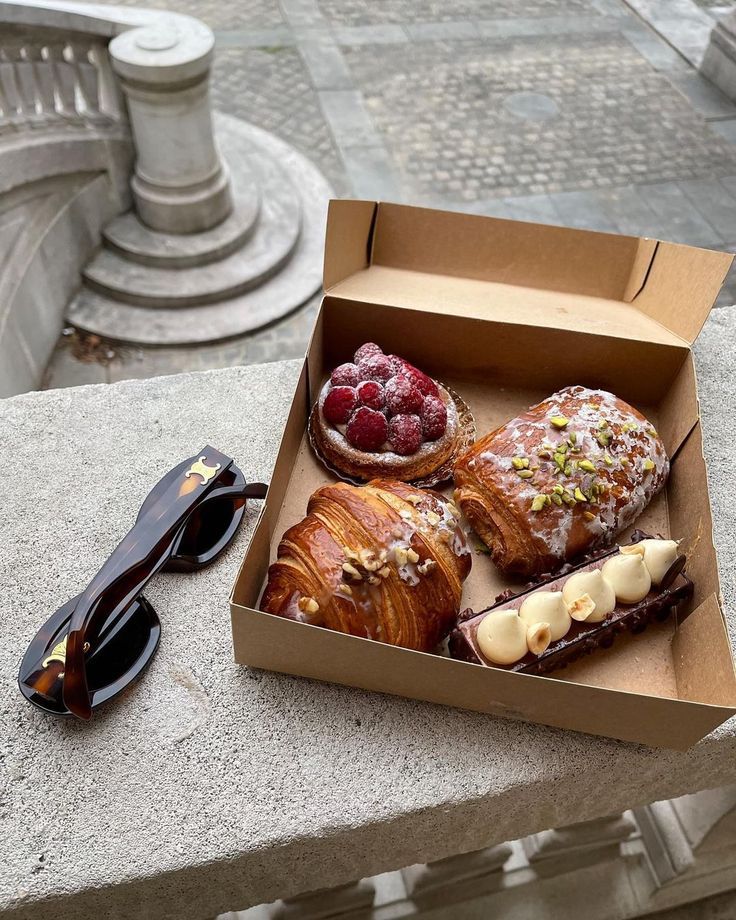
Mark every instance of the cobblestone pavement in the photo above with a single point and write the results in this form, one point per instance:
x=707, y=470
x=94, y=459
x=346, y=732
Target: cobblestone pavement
x=579, y=112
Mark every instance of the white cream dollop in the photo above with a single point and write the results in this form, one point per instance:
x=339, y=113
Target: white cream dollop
x=658, y=556
x=597, y=589
x=547, y=607
x=501, y=636
x=628, y=576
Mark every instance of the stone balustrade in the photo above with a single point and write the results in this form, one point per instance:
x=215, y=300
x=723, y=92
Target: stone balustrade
x=226, y=786
x=104, y=107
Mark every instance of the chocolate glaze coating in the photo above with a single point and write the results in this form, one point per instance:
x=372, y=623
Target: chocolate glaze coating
x=582, y=638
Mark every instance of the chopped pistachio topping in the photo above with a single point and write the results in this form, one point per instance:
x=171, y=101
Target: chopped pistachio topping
x=648, y=465
x=568, y=470
x=629, y=426
x=559, y=421
x=603, y=438
x=603, y=423
x=568, y=499
x=520, y=463
x=538, y=502
x=544, y=454
x=557, y=499
x=607, y=459
x=580, y=495
x=573, y=438
x=625, y=461
x=525, y=474
x=560, y=461
x=652, y=431
x=587, y=466
x=558, y=489
x=561, y=448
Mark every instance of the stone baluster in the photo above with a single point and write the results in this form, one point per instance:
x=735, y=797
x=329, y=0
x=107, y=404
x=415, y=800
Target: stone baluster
x=180, y=184
x=65, y=81
x=567, y=849
x=719, y=60
x=456, y=878
x=9, y=99
x=354, y=900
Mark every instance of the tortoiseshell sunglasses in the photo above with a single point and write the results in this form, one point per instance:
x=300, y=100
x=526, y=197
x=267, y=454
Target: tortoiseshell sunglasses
x=100, y=641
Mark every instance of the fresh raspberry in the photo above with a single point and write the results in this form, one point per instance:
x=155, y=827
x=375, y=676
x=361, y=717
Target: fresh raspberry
x=397, y=363
x=338, y=404
x=375, y=367
x=346, y=375
x=402, y=397
x=367, y=429
x=405, y=434
x=371, y=394
x=434, y=418
x=366, y=351
x=425, y=384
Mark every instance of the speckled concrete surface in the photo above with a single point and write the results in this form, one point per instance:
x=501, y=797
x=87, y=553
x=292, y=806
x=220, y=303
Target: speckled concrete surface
x=210, y=787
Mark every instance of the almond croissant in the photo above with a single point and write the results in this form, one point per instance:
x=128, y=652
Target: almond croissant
x=561, y=478
x=384, y=561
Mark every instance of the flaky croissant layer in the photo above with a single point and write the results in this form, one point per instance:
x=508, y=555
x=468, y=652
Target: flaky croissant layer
x=561, y=478
x=384, y=561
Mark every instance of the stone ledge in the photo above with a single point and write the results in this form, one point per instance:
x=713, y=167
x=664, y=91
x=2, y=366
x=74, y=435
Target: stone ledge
x=211, y=787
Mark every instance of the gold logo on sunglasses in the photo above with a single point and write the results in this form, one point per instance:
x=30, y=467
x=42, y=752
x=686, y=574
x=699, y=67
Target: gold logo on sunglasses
x=58, y=653
x=201, y=469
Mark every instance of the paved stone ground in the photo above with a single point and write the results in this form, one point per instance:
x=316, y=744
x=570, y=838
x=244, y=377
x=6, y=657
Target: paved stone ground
x=579, y=112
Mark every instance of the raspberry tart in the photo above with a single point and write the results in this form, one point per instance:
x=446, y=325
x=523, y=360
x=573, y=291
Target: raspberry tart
x=378, y=415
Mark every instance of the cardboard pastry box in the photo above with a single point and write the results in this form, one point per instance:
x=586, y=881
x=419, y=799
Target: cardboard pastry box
x=506, y=313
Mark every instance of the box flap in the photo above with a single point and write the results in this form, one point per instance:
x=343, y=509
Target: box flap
x=524, y=273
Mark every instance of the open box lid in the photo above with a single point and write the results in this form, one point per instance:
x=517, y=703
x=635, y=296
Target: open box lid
x=523, y=273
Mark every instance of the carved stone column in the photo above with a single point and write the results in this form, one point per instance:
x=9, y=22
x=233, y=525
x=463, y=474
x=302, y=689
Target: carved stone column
x=354, y=900
x=456, y=878
x=719, y=60
x=180, y=184
x=566, y=849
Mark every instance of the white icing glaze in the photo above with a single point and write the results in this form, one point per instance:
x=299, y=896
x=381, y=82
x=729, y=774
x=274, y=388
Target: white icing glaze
x=547, y=607
x=658, y=556
x=594, y=585
x=628, y=577
x=501, y=637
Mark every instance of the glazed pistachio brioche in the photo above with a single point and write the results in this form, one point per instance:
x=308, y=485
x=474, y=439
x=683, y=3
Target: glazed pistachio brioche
x=565, y=476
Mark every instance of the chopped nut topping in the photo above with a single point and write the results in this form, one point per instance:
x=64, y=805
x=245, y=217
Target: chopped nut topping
x=582, y=608
x=426, y=567
x=520, y=463
x=587, y=466
x=588, y=515
x=559, y=421
x=558, y=489
x=308, y=605
x=384, y=572
x=345, y=589
x=524, y=474
x=580, y=495
x=400, y=555
x=557, y=499
x=405, y=514
x=350, y=570
x=433, y=518
x=539, y=502
x=373, y=580
x=648, y=465
x=414, y=499
x=572, y=438
x=607, y=459
x=412, y=555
